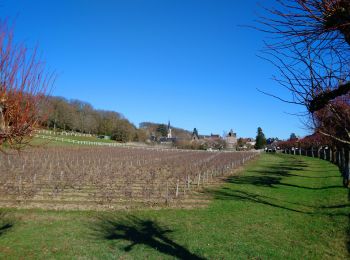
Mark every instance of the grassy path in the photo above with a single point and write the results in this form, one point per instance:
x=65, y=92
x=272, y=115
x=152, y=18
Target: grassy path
x=278, y=207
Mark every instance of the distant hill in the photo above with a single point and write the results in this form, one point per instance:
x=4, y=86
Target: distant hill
x=79, y=116
x=74, y=115
x=151, y=128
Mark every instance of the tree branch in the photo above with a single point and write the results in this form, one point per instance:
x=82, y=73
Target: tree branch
x=321, y=100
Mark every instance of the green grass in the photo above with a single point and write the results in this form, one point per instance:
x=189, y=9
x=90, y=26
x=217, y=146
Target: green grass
x=36, y=141
x=81, y=138
x=39, y=142
x=279, y=207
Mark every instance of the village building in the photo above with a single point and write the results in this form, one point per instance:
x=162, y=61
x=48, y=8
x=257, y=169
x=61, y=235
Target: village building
x=231, y=140
x=169, y=138
x=195, y=136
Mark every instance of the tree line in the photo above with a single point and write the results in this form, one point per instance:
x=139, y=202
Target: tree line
x=80, y=116
x=310, y=49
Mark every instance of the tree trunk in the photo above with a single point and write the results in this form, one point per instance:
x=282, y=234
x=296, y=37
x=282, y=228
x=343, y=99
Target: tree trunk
x=338, y=158
x=342, y=161
x=346, y=173
x=312, y=152
x=2, y=118
x=334, y=156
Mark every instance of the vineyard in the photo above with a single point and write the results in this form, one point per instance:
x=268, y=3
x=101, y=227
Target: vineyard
x=105, y=177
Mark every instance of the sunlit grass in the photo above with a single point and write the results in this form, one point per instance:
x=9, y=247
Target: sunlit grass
x=279, y=207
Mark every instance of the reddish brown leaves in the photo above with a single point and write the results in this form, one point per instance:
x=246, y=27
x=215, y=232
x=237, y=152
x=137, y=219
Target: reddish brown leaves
x=23, y=83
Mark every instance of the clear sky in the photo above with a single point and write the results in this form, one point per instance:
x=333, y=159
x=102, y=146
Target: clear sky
x=186, y=61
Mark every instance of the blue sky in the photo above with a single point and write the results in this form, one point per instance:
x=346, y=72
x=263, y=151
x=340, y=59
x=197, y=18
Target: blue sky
x=186, y=61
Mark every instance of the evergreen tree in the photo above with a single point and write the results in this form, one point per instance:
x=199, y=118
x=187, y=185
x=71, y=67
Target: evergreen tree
x=195, y=132
x=260, y=139
x=293, y=136
x=163, y=130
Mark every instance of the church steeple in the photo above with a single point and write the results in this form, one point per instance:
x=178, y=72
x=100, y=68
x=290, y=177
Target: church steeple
x=169, y=130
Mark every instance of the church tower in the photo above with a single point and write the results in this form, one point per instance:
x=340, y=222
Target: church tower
x=231, y=140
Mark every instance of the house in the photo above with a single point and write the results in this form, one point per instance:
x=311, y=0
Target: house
x=272, y=144
x=250, y=141
x=214, y=137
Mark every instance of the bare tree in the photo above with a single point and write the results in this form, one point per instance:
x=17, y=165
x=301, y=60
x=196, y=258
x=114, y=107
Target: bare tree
x=23, y=84
x=310, y=48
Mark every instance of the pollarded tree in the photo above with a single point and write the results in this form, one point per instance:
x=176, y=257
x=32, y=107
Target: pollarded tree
x=311, y=52
x=310, y=48
x=23, y=84
x=260, y=142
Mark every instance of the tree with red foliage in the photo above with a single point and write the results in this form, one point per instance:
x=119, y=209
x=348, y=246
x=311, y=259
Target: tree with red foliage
x=334, y=120
x=23, y=84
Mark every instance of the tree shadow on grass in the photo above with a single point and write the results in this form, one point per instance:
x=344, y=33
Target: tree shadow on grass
x=251, y=197
x=139, y=231
x=294, y=162
x=273, y=182
x=5, y=223
x=274, y=172
x=276, y=176
x=238, y=195
x=286, y=173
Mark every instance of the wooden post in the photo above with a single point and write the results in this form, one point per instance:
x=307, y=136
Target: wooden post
x=177, y=189
x=20, y=185
x=167, y=193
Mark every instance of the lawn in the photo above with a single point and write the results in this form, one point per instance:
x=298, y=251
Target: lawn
x=279, y=206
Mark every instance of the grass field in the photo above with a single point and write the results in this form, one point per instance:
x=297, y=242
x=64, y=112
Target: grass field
x=278, y=207
x=37, y=141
